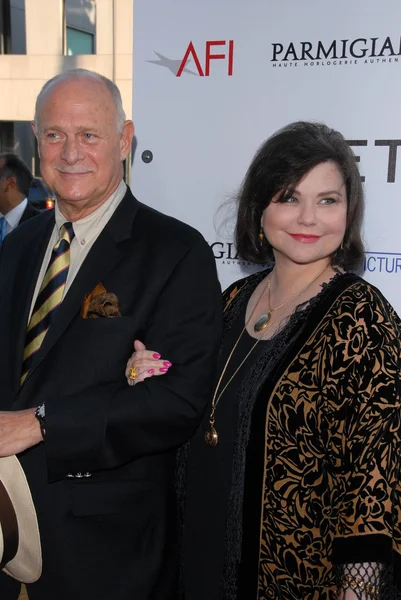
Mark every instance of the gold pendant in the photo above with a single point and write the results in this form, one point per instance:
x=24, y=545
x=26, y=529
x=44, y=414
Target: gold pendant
x=211, y=437
x=262, y=322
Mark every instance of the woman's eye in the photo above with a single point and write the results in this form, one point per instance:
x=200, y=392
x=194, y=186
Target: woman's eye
x=290, y=200
x=328, y=201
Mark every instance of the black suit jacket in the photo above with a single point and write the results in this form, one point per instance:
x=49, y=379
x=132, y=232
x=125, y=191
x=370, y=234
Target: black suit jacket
x=110, y=533
x=29, y=212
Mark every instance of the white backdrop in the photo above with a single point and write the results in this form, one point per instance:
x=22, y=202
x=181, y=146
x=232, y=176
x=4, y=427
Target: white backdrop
x=213, y=79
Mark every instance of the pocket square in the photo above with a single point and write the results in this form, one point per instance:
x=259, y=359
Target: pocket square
x=100, y=303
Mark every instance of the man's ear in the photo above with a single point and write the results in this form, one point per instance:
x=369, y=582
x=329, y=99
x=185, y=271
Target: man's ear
x=13, y=182
x=126, y=137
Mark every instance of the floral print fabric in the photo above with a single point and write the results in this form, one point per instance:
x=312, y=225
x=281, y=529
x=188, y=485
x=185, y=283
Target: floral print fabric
x=331, y=488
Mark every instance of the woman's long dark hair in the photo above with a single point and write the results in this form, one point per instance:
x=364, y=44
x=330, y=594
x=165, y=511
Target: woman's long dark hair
x=278, y=166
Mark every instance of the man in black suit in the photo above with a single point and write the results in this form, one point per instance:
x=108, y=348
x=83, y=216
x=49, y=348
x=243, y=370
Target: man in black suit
x=99, y=455
x=15, y=181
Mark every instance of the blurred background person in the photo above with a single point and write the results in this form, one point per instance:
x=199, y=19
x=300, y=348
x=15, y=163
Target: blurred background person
x=15, y=181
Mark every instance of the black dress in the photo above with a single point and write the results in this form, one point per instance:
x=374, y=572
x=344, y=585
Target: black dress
x=209, y=474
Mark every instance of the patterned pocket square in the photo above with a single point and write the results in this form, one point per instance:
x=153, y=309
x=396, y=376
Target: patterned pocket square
x=100, y=303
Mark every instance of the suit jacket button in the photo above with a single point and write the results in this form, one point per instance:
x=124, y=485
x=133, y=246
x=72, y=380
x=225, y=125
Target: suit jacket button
x=70, y=475
x=87, y=474
x=78, y=475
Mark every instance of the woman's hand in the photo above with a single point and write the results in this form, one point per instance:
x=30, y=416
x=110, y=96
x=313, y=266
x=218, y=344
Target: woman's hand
x=147, y=363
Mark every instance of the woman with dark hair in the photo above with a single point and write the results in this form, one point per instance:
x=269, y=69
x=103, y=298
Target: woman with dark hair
x=292, y=486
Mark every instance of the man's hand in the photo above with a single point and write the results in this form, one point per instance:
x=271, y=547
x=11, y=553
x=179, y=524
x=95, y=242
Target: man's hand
x=19, y=430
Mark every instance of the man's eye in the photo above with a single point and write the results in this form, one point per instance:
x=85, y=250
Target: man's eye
x=52, y=136
x=89, y=136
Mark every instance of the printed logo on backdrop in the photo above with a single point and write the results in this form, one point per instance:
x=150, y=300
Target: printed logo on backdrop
x=192, y=62
x=383, y=262
x=392, y=146
x=225, y=253
x=342, y=53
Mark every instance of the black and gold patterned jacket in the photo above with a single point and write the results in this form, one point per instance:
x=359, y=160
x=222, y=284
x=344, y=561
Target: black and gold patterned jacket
x=320, y=486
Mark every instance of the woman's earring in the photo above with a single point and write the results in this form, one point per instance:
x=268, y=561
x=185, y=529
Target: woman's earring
x=261, y=237
x=342, y=245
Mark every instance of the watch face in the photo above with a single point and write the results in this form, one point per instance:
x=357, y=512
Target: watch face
x=40, y=415
x=40, y=411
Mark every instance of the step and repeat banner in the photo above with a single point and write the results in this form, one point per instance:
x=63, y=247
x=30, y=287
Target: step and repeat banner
x=214, y=79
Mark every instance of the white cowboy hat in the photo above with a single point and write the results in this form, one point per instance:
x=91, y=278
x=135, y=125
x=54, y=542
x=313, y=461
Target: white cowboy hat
x=20, y=550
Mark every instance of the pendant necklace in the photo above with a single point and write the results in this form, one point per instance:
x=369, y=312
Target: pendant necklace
x=264, y=319
x=211, y=435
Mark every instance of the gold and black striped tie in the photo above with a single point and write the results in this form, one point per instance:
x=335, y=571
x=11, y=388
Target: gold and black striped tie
x=49, y=298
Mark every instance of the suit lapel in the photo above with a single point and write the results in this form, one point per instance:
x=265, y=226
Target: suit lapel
x=29, y=212
x=27, y=277
x=105, y=254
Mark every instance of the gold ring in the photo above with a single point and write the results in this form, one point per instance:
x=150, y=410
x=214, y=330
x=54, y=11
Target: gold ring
x=132, y=373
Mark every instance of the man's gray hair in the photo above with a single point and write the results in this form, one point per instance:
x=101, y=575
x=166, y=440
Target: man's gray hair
x=83, y=73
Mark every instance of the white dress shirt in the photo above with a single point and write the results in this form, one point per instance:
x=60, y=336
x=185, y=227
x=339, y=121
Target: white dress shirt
x=13, y=217
x=86, y=230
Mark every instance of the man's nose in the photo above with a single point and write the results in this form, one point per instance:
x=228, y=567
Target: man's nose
x=71, y=151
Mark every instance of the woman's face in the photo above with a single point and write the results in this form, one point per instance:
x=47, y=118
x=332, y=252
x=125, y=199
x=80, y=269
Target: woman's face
x=310, y=225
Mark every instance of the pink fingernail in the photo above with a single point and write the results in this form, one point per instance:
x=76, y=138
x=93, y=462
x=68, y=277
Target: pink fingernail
x=151, y=371
x=167, y=363
x=157, y=355
x=163, y=370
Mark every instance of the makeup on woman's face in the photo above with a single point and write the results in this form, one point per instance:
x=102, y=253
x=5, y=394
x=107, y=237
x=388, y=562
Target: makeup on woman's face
x=308, y=225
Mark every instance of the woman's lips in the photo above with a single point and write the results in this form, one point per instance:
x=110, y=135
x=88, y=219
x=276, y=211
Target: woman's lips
x=305, y=238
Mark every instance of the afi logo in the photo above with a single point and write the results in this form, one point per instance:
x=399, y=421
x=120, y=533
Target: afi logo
x=228, y=56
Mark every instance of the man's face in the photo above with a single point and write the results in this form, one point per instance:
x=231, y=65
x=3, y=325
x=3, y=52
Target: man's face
x=80, y=148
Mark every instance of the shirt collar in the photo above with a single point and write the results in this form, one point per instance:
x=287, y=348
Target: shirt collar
x=13, y=216
x=90, y=226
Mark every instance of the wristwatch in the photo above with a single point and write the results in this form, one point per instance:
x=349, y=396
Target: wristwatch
x=40, y=415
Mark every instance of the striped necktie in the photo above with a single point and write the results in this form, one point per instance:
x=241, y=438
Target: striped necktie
x=49, y=298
